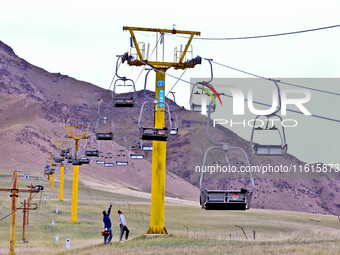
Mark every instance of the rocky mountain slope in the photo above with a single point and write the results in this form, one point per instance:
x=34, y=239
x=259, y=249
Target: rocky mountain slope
x=36, y=105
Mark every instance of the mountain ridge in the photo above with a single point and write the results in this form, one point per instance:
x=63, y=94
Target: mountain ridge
x=36, y=105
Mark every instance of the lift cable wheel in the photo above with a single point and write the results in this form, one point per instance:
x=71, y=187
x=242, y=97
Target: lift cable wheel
x=270, y=149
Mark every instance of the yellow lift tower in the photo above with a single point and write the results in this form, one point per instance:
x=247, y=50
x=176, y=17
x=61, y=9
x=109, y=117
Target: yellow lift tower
x=80, y=132
x=63, y=146
x=51, y=176
x=159, y=147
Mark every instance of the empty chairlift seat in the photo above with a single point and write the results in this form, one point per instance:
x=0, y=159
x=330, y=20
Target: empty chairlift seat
x=271, y=130
x=109, y=161
x=124, y=93
x=122, y=158
x=174, y=122
x=84, y=160
x=104, y=129
x=225, y=199
x=91, y=148
x=136, y=151
x=199, y=99
x=149, y=132
x=154, y=134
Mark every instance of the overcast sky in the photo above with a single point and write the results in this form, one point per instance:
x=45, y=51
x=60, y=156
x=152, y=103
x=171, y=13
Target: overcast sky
x=82, y=38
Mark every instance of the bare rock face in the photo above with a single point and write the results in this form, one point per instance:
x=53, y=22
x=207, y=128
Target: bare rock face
x=36, y=105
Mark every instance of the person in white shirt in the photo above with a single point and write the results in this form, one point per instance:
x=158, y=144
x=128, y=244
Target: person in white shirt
x=123, y=226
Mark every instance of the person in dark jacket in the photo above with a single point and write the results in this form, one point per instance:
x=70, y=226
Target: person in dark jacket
x=107, y=225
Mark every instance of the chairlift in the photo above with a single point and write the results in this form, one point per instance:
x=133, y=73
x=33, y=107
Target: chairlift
x=124, y=90
x=198, y=99
x=174, y=119
x=270, y=128
x=136, y=150
x=91, y=148
x=152, y=133
x=147, y=146
x=57, y=159
x=104, y=128
x=109, y=158
x=122, y=157
x=225, y=199
x=76, y=162
x=200, y=96
x=84, y=160
x=124, y=85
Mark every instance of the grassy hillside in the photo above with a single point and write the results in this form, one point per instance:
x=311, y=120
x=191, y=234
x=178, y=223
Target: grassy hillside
x=191, y=230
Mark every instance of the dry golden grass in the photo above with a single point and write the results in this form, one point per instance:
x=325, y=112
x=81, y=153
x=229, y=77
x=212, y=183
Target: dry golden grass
x=192, y=230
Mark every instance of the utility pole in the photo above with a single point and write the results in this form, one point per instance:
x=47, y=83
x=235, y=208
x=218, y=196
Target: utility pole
x=29, y=203
x=23, y=239
x=14, y=195
x=159, y=147
x=26, y=210
x=76, y=165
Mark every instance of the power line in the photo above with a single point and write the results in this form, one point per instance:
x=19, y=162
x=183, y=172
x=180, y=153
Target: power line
x=315, y=116
x=177, y=81
x=285, y=83
x=262, y=36
x=10, y=187
x=16, y=209
x=289, y=110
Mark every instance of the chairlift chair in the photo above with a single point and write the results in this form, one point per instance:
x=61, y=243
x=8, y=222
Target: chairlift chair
x=100, y=159
x=84, y=160
x=270, y=149
x=174, y=121
x=135, y=150
x=120, y=100
x=147, y=146
x=225, y=199
x=104, y=128
x=152, y=133
x=109, y=159
x=91, y=148
x=76, y=162
x=122, y=158
x=197, y=97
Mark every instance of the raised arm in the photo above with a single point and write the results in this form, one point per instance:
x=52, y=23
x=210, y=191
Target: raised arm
x=109, y=211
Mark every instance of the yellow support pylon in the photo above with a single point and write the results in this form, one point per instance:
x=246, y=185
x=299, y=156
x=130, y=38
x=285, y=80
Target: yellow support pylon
x=61, y=183
x=75, y=169
x=75, y=193
x=52, y=182
x=159, y=147
x=158, y=171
